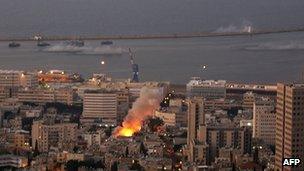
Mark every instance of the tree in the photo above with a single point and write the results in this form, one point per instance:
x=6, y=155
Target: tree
x=8, y=115
x=114, y=166
x=75, y=149
x=108, y=131
x=127, y=152
x=72, y=165
x=36, y=151
x=154, y=123
x=136, y=166
x=142, y=149
x=100, y=164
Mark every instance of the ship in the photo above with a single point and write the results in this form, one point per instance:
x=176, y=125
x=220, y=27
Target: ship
x=42, y=44
x=107, y=42
x=14, y=45
x=76, y=43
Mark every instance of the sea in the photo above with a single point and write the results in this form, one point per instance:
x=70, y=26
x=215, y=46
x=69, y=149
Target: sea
x=268, y=58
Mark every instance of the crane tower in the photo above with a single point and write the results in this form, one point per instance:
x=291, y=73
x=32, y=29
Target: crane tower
x=135, y=67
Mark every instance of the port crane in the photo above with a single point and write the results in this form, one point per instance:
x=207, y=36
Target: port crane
x=135, y=67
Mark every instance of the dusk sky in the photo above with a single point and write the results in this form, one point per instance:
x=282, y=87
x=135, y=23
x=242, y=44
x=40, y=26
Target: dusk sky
x=57, y=17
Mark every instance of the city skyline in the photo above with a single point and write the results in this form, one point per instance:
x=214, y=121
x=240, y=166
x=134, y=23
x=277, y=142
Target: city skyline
x=140, y=85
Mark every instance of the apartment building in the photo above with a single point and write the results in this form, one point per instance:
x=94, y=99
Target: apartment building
x=264, y=118
x=289, y=139
x=61, y=135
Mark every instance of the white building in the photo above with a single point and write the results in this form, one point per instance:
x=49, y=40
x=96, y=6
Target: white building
x=264, y=120
x=63, y=95
x=210, y=89
x=100, y=104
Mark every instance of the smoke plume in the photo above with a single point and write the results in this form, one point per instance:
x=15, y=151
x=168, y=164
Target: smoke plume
x=142, y=108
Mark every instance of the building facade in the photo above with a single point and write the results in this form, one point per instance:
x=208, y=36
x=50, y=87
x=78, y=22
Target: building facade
x=169, y=118
x=264, y=117
x=228, y=137
x=65, y=96
x=196, y=117
x=209, y=89
x=102, y=105
x=289, y=125
x=12, y=78
x=61, y=136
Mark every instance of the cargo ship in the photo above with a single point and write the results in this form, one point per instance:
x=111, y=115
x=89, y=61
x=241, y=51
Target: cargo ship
x=14, y=45
x=107, y=42
x=42, y=44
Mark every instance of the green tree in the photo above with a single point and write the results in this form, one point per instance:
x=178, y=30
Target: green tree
x=142, y=149
x=72, y=165
x=127, y=152
x=136, y=166
x=36, y=151
x=154, y=123
x=114, y=166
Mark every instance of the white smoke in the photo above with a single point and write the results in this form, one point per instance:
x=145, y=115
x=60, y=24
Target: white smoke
x=101, y=50
x=145, y=104
x=143, y=108
x=245, y=27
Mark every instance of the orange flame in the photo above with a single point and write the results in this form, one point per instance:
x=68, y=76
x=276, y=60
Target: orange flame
x=128, y=128
x=144, y=107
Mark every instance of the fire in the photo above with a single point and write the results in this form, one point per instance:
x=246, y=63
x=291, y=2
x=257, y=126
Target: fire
x=126, y=132
x=144, y=107
x=128, y=128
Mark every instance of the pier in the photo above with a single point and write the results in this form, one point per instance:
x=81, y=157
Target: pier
x=154, y=36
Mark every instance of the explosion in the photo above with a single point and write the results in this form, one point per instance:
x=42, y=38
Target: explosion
x=128, y=128
x=142, y=108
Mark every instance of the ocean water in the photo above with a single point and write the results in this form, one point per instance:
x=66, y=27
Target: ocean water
x=263, y=58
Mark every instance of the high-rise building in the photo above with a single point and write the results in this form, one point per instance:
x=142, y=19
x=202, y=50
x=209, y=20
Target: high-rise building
x=100, y=104
x=196, y=117
x=264, y=117
x=62, y=135
x=225, y=136
x=289, y=125
x=198, y=153
x=196, y=135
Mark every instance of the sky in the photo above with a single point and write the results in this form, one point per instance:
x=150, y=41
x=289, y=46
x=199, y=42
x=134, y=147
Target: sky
x=89, y=17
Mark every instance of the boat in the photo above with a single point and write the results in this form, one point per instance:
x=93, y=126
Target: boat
x=42, y=44
x=107, y=42
x=14, y=45
x=76, y=43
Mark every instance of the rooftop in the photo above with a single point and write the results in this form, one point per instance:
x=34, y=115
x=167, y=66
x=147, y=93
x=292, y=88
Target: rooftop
x=10, y=72
x=196, y=81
